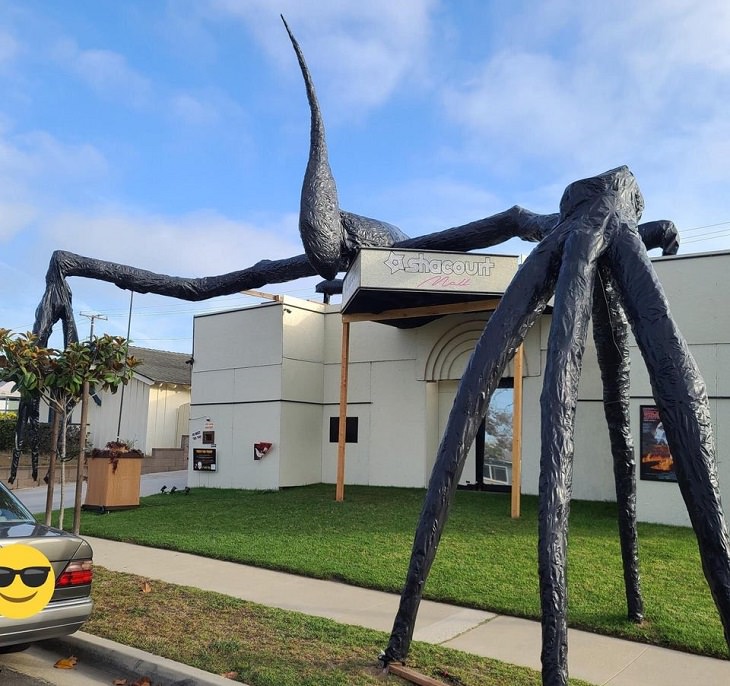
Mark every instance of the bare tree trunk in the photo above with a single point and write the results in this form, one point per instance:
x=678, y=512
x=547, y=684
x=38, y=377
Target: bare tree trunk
x=62, y=457
x=51, y=476
x=82, y=458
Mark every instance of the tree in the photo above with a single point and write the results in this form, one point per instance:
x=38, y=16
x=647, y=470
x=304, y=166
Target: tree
x=498, y=430
x=60, y=377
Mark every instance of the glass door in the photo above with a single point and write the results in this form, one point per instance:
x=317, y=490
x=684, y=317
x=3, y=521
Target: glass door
x=494, y=442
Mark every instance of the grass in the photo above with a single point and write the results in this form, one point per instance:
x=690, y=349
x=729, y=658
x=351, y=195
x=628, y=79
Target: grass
x=265, y=646
x=486, y=560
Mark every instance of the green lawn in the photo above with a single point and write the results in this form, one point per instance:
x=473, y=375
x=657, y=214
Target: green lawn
x=486, y=560
x=264, y=646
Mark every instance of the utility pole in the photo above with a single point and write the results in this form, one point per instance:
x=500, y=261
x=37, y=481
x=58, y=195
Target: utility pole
x=92, y=317
x=121, y=399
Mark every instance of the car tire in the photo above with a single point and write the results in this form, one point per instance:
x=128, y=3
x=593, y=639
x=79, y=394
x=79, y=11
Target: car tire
x=16, y=648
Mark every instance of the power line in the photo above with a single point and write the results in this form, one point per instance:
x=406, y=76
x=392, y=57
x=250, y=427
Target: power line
x=705, y=226
x=707, y=236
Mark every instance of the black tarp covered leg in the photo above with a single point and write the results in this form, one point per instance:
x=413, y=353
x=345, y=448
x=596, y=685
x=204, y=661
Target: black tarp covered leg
x=681, y=399
x=523, y=302
x=566, y=343
x=56, y=303
x=26, y=428
x=610, y=333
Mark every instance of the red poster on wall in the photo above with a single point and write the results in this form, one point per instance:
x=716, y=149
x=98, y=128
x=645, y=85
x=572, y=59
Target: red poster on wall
x=656, y=462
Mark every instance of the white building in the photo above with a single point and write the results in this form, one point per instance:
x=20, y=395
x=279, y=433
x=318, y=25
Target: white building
x=9, y=398
x=270, y=374
x=151, y=411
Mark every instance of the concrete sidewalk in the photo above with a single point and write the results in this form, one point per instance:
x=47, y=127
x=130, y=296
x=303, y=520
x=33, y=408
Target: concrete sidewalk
x=596, y=659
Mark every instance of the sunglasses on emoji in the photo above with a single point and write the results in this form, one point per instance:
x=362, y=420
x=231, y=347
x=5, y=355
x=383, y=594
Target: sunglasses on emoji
x=33, y=577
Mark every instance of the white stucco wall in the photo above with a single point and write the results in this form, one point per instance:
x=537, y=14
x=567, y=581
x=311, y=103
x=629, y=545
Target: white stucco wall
x=383, y=395
x=165, y=401
x=696, y=289
x=273, y=373
x=103, y=420
x=258, y=376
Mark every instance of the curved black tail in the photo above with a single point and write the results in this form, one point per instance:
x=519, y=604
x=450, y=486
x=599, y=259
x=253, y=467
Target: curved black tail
x=319, y=215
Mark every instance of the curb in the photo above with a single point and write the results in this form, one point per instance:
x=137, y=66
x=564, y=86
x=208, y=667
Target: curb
x=134, y=662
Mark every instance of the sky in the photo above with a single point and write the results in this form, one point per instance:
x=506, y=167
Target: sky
x=173, y=135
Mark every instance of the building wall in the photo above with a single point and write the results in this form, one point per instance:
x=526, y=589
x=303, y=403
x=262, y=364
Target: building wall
x=273, y=373
x=385, y=397
x=693, y=286
x=165, y=401
x=255, y=388
x=103, y=420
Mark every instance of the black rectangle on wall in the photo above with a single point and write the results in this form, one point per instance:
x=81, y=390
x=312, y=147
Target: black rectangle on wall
x=351, y=426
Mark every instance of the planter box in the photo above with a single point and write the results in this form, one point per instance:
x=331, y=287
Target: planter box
x=113, y=481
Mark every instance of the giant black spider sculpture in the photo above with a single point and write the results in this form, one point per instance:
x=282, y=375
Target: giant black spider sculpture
x=592, y=258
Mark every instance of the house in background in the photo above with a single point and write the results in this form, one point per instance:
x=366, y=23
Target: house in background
x=9, y=399
x=151, y=411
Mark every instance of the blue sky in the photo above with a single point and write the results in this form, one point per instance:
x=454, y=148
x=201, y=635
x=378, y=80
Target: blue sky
x=173, y=135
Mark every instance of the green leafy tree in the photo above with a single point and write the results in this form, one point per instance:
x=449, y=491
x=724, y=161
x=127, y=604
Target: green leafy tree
x=498, y=427
x=60, y=377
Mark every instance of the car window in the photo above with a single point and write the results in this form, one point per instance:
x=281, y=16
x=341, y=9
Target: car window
x=11, y=509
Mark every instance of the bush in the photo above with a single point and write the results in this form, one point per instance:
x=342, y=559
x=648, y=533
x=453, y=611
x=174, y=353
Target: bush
x=7, y=438
x=7, y=433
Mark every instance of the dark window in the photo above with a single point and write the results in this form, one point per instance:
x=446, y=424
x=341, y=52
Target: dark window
x=350, y=429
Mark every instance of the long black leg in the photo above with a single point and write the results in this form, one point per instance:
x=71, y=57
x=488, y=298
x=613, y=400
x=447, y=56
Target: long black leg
x=610, y=333
x=516, y=222
x=523, y=302
x=56, y=301
x=26, y=429
x=681, y=398
x=568, y=330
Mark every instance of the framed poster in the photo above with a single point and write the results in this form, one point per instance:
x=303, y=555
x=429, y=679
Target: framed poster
x=205, y=459
x=656, y=463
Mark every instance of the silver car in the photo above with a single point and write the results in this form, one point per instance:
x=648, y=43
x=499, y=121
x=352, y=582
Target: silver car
x=71, y=559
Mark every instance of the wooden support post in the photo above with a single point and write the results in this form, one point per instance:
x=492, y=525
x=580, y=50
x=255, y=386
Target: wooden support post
x=517, y=366
x=413, y=676
x=344, y=364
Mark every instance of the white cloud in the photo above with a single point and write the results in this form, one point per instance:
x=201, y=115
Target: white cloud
x=193, y=110
x=586, y=87
x=198, y=244
x=110, y=76
x=361, y=51
x=15, y=217
x=107, y=73
x=9, y=48
x=37, y=170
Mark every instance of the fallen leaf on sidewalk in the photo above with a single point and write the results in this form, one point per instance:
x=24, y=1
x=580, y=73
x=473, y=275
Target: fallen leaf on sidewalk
x=146, y=587
x=143, y=681
x=230, y=675
x=67, y=662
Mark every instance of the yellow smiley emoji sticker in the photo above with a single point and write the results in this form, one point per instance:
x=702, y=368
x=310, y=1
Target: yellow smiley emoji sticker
x=27, y=581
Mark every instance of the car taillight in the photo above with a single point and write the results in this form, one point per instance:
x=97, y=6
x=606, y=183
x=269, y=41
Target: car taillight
x=77, y=573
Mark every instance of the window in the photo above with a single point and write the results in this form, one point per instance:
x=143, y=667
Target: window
x=350, y=429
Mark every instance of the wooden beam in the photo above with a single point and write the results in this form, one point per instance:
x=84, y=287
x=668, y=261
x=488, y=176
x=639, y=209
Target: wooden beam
x=517, y=366
x=427, y=311
x=342, y=433
x=413, y=676
x=261, y=294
